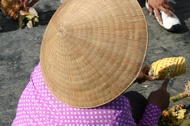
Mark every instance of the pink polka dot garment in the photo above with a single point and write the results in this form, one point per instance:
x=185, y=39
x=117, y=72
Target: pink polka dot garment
x=38, y=107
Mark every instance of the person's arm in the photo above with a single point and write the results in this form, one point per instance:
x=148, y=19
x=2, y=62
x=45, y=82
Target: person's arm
x=151, y=116
x=28, y=3
x=157, y=101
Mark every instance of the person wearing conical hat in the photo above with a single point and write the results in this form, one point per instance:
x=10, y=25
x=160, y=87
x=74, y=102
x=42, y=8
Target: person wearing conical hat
x=91, y=52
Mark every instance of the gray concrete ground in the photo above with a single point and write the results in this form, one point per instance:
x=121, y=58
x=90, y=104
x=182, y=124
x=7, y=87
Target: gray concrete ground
x=19, y=53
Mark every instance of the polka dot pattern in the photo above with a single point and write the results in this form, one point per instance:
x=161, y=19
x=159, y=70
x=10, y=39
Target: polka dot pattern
x=151, y=116
x=38, y=107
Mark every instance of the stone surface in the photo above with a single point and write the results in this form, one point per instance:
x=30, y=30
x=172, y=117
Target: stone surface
x=19, y=53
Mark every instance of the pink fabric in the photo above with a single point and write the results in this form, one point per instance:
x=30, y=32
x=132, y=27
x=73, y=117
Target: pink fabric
x=38, y=107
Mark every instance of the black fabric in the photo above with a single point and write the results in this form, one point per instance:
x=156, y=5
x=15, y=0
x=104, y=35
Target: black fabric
x=142, y=3
x=138, y=104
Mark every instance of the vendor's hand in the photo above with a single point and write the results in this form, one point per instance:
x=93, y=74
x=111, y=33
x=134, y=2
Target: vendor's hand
x=160, y=5
x=28, y=3
x=160, y=97
x=143, y=75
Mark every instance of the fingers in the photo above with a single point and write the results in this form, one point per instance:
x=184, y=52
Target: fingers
x=168, y=6
x=32, y=3
x=160, y=6
x=166, y=11
x=25, y=3
x=145, y=68
x=149, y=78
x=158, y=15
x=150, y=10
x=165, y=83
x=144, y=77
x=28, y=3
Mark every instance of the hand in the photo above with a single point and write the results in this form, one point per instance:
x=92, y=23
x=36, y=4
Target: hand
x=143, y=75
x=28, y=3
x=160, y=5
x=160, y=97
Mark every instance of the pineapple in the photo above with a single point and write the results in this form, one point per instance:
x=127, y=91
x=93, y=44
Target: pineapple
x=174, y=66
x=15, y=10
x=11, y=8
x=174, y=116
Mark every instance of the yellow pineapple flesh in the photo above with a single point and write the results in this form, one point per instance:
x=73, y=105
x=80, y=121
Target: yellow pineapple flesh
x=174, y=65
x=176, y=115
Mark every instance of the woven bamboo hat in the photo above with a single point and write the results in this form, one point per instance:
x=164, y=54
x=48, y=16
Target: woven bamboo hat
x=92, y=50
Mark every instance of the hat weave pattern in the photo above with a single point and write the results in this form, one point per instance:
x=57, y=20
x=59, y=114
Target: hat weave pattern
x=92, y=50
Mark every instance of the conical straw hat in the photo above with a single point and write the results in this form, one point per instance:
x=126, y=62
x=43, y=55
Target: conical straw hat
x=92, y=50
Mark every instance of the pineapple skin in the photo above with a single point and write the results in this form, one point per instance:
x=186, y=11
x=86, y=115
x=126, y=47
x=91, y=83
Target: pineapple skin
x=161, y=68
x=11, y=8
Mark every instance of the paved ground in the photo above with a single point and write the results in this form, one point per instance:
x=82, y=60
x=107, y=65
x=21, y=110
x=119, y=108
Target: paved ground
x=19, y=53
